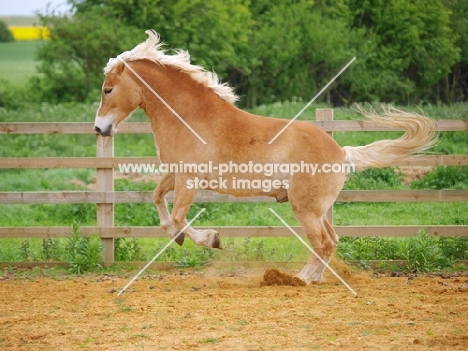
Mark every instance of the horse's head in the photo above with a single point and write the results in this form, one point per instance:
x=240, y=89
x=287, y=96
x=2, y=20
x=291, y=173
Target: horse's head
x=120, y=96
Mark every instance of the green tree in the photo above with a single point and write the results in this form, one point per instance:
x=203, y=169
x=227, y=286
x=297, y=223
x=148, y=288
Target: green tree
x=214, y=32
x=73, y=60
x=5, y=33
x=293, y=51
x=273, y=50
x=411, y=45
x=454, y=86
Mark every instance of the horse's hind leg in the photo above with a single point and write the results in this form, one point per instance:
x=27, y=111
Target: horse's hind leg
x=159, y=196
x=310, y=209
x=324, y=241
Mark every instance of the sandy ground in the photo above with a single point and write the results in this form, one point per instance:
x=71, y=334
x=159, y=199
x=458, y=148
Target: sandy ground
x=232, y=310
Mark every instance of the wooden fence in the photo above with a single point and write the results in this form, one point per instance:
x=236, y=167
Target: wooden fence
x=105, y=197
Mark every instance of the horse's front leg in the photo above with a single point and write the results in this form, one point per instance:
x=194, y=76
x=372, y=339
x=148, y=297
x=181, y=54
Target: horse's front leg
x=183, y=199
x=159, y=197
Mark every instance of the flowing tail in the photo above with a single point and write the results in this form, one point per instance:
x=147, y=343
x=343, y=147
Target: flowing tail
x=420, y=135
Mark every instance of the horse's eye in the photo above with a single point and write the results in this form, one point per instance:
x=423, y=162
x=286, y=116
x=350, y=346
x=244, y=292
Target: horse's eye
x=107, y=91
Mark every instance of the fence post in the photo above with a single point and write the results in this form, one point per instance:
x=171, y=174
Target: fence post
x=326, y=114
x=105, y=182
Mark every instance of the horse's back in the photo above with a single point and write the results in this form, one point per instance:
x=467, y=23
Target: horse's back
x=301, y=140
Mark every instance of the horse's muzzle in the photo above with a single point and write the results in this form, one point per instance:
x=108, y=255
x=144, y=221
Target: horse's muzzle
x=104, y=132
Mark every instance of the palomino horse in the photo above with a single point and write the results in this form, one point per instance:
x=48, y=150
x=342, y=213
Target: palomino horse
x=169, y=86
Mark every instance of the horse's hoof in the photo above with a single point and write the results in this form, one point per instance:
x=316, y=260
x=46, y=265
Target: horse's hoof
x=217, y=243
x=180, y=239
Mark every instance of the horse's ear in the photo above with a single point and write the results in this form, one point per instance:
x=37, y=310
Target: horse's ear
x=119, y=68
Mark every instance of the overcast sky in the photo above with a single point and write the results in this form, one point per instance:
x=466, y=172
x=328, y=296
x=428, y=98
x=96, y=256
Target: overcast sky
x=29, y=7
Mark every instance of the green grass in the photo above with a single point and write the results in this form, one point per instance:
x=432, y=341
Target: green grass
x=17, y=61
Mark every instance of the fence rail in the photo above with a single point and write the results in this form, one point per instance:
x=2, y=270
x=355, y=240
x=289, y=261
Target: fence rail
x=119, y=197
x=144, y=127
x=260, y=231
x=113, y=162
x=105, y=197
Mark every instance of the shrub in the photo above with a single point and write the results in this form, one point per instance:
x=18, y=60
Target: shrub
x=10, y=96
x=83, y=254
x=385, y=178
x=455, y=248
x=5, y=33
x=127, y=249
x=25, y=250
x=13, y=97
x=443, y=177
x=423, y=254
x=51, y=250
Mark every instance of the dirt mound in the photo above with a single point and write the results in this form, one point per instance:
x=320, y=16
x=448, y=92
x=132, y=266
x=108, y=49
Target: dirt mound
x=276, y=277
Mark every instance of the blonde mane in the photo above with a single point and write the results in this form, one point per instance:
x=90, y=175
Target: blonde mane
x=152, y=50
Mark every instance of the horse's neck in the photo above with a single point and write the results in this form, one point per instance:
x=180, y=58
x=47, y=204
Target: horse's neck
x=175, y=96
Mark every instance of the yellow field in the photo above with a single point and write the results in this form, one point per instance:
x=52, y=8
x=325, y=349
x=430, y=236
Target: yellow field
x=30, y=33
